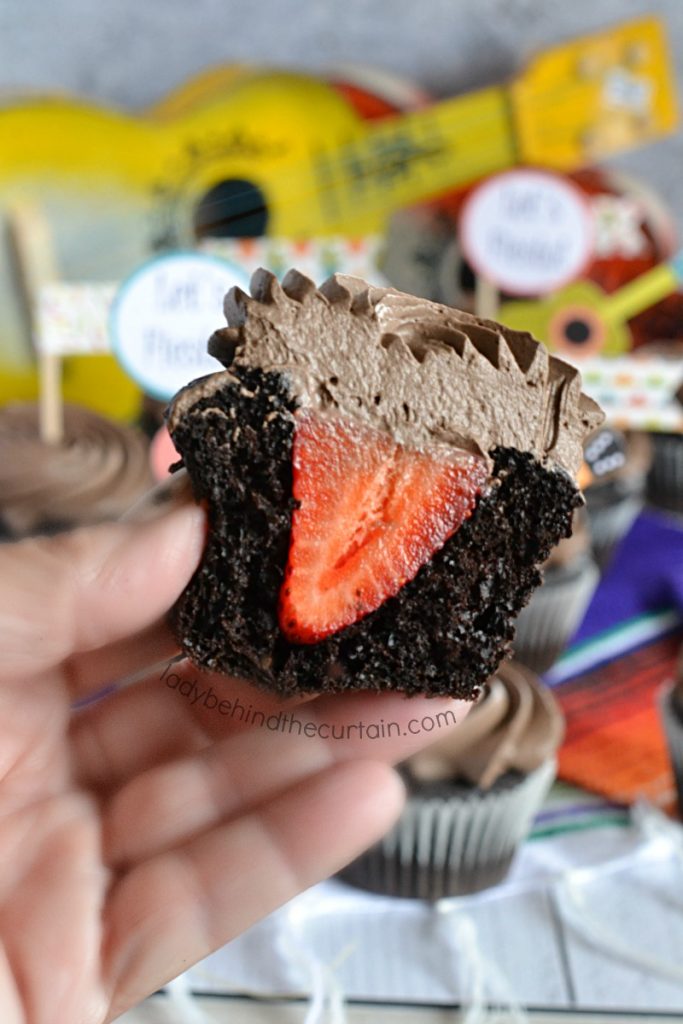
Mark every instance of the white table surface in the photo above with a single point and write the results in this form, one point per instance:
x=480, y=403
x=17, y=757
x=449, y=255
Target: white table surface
x=250, y=1011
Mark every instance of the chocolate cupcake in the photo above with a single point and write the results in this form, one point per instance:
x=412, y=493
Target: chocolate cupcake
x=664, y=484
x=671, y=709
x=421, y=255
x=665, y=478
x=94, y=474
x=471, y=796
x=570, y=577
x=383, y=476
x=618, y=464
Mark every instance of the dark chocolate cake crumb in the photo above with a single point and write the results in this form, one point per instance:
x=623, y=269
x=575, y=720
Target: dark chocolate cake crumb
x=446, y=630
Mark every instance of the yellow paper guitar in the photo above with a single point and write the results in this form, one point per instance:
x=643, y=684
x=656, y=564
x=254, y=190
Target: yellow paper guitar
x=581, y=320
x=259, y=152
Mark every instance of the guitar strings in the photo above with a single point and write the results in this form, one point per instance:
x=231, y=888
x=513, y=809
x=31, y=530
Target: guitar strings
x=342, y=161
x=345, y=157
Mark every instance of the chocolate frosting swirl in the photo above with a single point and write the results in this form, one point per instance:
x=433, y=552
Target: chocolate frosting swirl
x=424, y=372
x=515, y=726
x=94, y=474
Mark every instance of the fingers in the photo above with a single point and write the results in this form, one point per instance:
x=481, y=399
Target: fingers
x=128, y=733
x=151, y=722
x=81, y=590
x=133, y=657
x=52, y=901
x=187, y=796
x=173, y=910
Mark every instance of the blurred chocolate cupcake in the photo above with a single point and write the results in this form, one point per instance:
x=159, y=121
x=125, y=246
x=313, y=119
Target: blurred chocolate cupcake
x=94, y=474
x=422, y=255
x=472, y=796
x=618, y=465
x=671, y=709
x=665, y=479
x=570, y=576
x=664, y=483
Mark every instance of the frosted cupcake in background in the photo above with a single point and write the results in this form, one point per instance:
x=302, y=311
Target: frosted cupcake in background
x=664, y=483
x=618, y=465
x=671, y=709
x=665, y=479
x=570, y=577
x=472, y=795
x=94, y=474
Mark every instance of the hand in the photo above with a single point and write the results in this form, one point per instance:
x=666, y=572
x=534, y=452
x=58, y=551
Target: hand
x=145, y=830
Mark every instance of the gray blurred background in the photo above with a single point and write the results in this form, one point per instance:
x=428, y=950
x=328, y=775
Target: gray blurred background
x=131, y=52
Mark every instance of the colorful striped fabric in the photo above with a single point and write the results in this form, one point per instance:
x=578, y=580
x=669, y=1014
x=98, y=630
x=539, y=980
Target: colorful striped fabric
x=614, y=743
x=610, y=679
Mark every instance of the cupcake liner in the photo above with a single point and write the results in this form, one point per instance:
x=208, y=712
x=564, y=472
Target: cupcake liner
x=609, y=523
x=672, y=719
x=456, y=842
x=604, y=496
x=665, y=479
x=547, y=623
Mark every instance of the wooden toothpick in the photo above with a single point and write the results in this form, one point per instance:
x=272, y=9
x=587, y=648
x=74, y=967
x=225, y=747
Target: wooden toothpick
x=486, y=298
x=34, y=251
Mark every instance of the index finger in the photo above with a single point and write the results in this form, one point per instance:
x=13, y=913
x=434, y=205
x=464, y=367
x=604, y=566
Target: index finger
x=78, y=591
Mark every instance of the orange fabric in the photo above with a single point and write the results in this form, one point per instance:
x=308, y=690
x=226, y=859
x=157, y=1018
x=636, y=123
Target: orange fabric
x=615, y=743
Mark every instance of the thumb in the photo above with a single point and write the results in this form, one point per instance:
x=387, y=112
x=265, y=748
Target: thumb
x=81, y=590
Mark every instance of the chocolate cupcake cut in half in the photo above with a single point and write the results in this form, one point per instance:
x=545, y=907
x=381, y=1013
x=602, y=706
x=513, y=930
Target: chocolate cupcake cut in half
x=383, y=476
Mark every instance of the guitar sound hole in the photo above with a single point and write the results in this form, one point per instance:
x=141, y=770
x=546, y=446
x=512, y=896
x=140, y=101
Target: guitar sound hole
x=578, y=332
x=232, y=209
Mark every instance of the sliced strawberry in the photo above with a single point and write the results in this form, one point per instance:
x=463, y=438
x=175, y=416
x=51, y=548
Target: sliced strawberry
x=370, y=514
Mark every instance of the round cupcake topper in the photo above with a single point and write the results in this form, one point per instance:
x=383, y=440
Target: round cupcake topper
x=528, y=232
x=163, y=315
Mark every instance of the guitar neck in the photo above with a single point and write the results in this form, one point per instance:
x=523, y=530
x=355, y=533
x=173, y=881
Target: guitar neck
x=645, y=290
x=414, y=157
x=577, y=102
